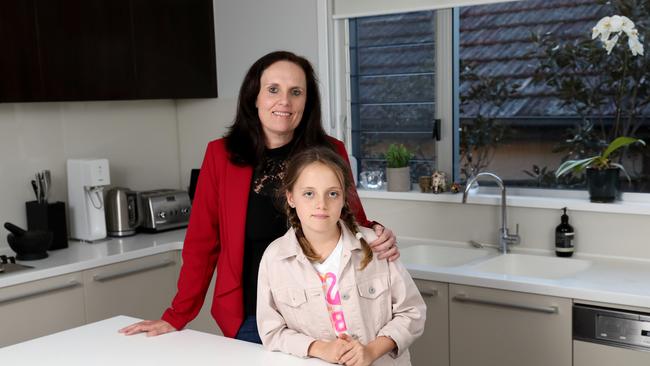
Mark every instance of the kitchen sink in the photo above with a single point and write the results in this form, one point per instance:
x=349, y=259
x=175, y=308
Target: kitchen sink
x=532, y=266
x=441, y=256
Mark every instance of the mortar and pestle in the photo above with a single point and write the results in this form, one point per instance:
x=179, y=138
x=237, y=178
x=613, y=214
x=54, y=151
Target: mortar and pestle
x=28, y=245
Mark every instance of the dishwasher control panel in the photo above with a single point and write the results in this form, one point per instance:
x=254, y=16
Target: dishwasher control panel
x=616, y=327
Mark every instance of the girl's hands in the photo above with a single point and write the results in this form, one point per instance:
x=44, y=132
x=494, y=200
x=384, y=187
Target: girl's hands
x=151, y=327
x=386, y=243
x=356, y=354
x=330, y=351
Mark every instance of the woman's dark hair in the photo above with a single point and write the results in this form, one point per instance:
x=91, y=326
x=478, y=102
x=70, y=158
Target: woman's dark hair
x=341, y=169
x=245, y=140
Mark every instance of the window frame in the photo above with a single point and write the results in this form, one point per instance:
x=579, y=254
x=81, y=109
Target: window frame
x=334, y=68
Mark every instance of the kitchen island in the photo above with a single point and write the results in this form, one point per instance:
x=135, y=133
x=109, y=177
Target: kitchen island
x=100, y=344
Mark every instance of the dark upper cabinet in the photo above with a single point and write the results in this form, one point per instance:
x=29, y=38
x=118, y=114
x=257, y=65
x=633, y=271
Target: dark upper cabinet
x=20, y=77
x=174, y=43
x=86, y=49
x=107, y=50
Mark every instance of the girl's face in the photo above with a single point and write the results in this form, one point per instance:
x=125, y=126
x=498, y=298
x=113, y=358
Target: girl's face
x=281, y=101
x=318, y=198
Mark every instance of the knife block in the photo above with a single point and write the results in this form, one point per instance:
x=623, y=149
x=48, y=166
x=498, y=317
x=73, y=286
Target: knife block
x=50, y=217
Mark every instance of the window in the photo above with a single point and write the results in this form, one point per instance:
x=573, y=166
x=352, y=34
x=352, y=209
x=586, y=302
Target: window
x=392, y=75
x=521, y=108
x=529, y=102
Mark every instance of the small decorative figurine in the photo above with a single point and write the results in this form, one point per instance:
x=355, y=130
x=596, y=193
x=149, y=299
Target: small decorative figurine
x=455, y=187
x=438, y=182
x=425, y=184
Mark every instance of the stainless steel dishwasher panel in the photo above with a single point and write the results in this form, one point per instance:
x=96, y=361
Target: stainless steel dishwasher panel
x=606, y=336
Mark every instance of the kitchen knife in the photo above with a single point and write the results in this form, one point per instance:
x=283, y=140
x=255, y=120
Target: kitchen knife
x=48, y=183
x=39, y=179
x=35, y=188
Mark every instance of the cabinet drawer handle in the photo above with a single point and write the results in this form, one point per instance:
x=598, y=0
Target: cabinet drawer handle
x=69, y=284
x=539, y=309
x=429, y=293
x=112, y=276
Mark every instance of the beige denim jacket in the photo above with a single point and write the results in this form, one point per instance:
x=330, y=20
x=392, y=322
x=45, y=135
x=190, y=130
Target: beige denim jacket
x=380, y=300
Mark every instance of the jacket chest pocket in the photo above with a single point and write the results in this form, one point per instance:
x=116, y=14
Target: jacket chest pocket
x=374, y=298
x=299, y=307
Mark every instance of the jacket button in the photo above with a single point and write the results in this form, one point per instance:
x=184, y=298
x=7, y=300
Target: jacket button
x=345, y=296
x=371, y=290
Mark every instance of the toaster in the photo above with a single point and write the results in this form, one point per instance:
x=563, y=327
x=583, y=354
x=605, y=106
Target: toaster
x=165, y=209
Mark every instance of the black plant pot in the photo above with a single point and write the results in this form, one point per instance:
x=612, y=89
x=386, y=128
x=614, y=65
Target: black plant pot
x=602, y=184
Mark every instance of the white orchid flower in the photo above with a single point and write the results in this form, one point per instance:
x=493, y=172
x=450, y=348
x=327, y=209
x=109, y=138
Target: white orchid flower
x=616, y=24
x=636, y=47
x=610, y=43
x=627, y=26
x=601, y=28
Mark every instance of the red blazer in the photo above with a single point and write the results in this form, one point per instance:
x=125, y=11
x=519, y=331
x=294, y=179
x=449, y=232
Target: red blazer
x=215, y=237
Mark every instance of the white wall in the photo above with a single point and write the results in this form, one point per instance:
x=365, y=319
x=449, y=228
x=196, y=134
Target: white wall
x=617, y=235
x=139, y=138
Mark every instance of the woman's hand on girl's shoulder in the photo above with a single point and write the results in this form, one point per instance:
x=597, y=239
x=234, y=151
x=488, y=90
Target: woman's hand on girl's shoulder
x=386, y=243
x=151, y=327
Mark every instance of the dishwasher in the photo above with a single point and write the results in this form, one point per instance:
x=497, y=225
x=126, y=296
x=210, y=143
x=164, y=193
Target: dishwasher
x=606, y=336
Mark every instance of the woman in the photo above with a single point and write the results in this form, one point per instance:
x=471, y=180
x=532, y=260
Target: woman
x=234, y=214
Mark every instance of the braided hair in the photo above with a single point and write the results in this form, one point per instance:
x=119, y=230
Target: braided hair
x=341, y=169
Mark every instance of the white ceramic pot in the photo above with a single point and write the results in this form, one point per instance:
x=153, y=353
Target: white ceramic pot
x=399, y=179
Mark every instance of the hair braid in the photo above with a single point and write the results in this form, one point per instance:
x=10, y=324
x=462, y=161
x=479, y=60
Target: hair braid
x=351, y=223
x=306, y=247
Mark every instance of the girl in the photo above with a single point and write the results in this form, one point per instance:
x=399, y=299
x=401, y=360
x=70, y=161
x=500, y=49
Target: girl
x=321, y=293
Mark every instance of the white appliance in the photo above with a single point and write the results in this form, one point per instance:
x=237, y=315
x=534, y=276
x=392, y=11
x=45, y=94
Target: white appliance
x=86, y=181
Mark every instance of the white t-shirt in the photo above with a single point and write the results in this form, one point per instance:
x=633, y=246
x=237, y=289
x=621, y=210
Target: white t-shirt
x=329, y=272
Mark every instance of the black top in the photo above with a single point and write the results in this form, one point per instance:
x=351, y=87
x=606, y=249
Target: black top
x=265, y=218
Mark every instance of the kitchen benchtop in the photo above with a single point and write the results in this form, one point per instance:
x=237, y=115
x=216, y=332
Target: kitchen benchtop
x=100, y=344
x=615, y=281
x=80, y=256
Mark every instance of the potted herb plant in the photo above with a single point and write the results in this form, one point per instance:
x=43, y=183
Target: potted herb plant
x=602, y=172
x=397, y=168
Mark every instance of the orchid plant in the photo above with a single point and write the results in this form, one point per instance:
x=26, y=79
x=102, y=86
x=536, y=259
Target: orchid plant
x=605, y=84
x=609, y=29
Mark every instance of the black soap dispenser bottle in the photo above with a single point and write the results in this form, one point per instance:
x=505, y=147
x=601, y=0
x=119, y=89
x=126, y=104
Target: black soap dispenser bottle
x=564, y=236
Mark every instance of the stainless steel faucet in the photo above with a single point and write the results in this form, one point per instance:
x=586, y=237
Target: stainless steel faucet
x=505, y=238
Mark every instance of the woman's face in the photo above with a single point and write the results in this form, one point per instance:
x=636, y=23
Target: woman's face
x=281, y=101
x=318, y=198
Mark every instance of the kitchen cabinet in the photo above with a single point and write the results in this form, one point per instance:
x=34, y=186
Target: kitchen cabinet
x=85, y=49
x=491, y=327
x=74, y=50
x=175, y=48
x=432, y=348
x=41, y=307
x=141, y=288
x=18, y=41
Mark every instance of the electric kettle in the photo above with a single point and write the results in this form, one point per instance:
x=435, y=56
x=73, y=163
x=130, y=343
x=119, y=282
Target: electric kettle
x=123, y=211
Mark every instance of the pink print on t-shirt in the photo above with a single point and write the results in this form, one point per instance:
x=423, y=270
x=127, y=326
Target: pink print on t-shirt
x=334, y=306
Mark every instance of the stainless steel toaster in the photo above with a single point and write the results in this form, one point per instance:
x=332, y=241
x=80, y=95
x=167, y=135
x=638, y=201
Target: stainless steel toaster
x=165, y=209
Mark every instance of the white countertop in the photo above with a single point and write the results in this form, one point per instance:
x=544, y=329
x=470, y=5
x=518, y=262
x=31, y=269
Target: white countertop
x=615, y=281
x=80, y=256
x=100, y=344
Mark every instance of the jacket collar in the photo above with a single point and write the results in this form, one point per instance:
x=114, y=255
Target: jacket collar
x=291, y=248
